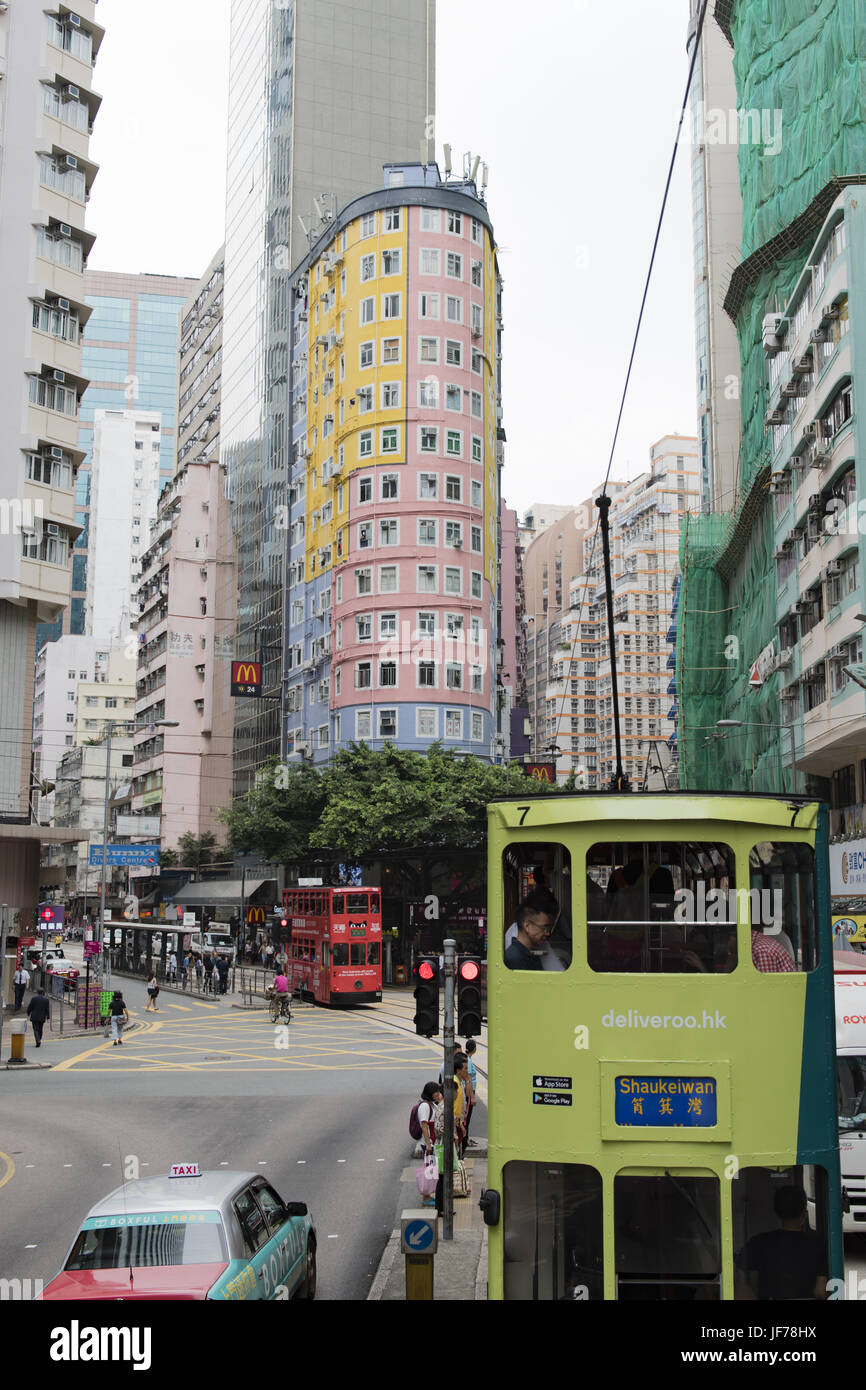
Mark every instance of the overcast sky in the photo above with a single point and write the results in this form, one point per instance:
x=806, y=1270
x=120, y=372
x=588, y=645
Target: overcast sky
x=572, y=104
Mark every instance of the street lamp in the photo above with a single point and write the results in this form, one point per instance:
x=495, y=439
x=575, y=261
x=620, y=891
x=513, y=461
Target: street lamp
x=109, y=731
x=747, y=724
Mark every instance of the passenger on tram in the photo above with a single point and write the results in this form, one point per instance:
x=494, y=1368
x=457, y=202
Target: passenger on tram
x=527, y=939
x=786, y=1263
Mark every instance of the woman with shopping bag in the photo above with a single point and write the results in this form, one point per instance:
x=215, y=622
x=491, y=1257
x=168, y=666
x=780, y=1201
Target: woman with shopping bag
x=427, y=1175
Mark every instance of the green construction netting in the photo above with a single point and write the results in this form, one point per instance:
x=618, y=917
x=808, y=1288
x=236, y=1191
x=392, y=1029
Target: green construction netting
x=806, y=58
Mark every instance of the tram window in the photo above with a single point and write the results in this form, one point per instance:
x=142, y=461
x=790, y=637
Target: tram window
x=358, y=950
x=552, y=1215
x=656, y=908
x=373, y=953
x=782, y=907
x=537, y=897
x=780, y=1225
x=340, y=953
x=356, y=902
x=667, y=1241
x=374, y=902
x=338, y=908
x=326, y=954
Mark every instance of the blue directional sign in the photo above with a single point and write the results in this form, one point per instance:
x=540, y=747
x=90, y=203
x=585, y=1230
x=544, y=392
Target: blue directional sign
x=144, y=856
x=418, y=1236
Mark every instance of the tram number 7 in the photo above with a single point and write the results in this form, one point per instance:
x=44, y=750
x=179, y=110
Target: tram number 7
x=525, y=810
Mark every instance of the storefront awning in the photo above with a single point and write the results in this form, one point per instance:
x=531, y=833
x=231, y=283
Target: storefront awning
x=227, y=890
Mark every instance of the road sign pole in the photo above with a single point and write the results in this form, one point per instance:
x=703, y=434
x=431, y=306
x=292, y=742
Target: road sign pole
x=109, y=729
x=418, y=1241
x=450, y=953
x=4, y=915
x=419, y=1278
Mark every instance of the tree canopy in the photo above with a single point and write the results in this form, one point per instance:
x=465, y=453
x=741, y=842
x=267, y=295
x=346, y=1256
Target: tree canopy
x=367, y=801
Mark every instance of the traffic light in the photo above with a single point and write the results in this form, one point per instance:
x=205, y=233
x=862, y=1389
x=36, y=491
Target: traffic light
x=234, y=924
x=469, y=997
x=206, y=916
x=427, y=996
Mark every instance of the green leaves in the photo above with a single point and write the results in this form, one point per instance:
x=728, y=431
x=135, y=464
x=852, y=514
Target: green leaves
x=367, y=801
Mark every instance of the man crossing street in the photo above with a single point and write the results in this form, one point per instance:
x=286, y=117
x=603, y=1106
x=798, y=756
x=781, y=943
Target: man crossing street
x=38, y=1011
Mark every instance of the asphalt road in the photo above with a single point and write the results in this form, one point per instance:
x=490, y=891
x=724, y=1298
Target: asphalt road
x=326, y=1120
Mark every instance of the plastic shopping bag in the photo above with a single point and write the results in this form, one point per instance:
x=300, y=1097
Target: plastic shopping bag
x=440, y=1160
x=427, y=1176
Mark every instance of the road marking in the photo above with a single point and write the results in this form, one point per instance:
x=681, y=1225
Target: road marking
x=302, y=1160
x=29, y=1165
x=380, y=1160
x=333, y=1237
x=67, y=1165
x=106, y=1165
x=10, y=1169
x=31, y=1247
x=341, y=1160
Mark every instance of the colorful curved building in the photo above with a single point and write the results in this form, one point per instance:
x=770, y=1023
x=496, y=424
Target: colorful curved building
x=391, y=608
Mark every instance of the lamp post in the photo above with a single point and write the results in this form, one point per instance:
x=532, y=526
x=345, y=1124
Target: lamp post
x=109, y=731
x=748, y=724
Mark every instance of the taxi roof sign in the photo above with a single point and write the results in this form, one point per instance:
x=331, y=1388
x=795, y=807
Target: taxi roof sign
x=184, y=1170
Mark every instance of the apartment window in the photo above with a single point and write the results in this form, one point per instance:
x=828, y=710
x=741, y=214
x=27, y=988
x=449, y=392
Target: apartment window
x=365, y=355
x=476, y=584
x=52, y=396
x=365, y=535
x=454, y=624
x=454, y=266
x=389, y=484
x=426, y=531
x=60, y=323
x=70, y=718
x=387, y=579
x=476, y=230
x=455, y=223
x=428, y=439
x=391, y=306
x=454, y=533
x=477, y=407
x=387, y=673
x=323, y=735
x=453, y=352
x=368, y=267
x=430, y=220
x=454, y=723
x=427, y=579
x=387, y=723
x=453, y=487
x=477, y=680
x=476, y=274
x=390, y=350
x=425, y=723
x=428, y=306
x=364, y=581
x=453, y=580
x=477, y=359
x=387, y=625
x=428, y=349
x=477, y=726
x=388, y=533
x=428, y=486
x=368, y=311
x=429, y=261
x=365, y=400
x=365, y=488
x=368, y=225
x=476, y=493
x=389, y=440
x=477, y=456
x=364, y=627
x=53, y=472
x=363, y=724
x=477, y=320
x=391, y=262
x=454, y=443
x=454, y=309
x=391, y=219
x=476, y=540
x=453, y=397
x=363, y=675
x=426, y=624
x=426, y=674
x=428, y=393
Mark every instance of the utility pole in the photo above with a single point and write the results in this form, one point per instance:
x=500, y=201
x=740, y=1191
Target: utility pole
x=109, y=730
x=4, y=918
x=450, y=953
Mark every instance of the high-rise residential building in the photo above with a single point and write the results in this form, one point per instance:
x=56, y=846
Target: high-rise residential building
x=716, y=223
x=48, y=107
x=79, y=802
x=646, y=519
x=538, y=518
x=321, y=96
x=60, y=667
x=129, y=355
x=772, y=592
x=391, y=608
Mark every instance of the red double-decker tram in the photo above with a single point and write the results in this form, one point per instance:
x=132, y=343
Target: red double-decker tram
x=335, y=951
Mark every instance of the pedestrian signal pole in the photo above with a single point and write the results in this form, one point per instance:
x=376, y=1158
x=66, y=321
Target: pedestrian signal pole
x=450, y=949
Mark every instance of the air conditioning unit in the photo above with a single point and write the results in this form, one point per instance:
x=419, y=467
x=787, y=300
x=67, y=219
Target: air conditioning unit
x=52, y=528
x=457, y=543
x=779, y=482
x=789, y=693
x=64, y=229
x=790, y=388
x=58, y=376
x=302, y=745
x=804, y=605
x=818, y=335
x=829, y=313
x=63, y=304
x=803, y=364
x=56, y=451
x=820, y=454
x=815, y=502
x=69, y=161
x=770, y=333
x=840, y=650
x=774, y=416
x=71, y=92
x=784, y=659
x=834, y=568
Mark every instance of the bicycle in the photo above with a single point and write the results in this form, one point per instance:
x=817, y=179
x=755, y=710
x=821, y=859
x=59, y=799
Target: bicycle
x=279, y=1007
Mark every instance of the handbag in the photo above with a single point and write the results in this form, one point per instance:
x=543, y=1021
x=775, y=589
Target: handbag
x=440, y=1158
x=427, y=1176
x=461, y=1181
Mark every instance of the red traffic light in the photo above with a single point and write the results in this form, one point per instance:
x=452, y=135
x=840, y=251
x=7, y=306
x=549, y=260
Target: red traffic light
x=469, y=970
x=284, y=922
x=426, y=971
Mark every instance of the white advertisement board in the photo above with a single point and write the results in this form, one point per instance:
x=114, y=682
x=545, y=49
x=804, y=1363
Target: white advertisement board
x=848, y=869
x=148, y=826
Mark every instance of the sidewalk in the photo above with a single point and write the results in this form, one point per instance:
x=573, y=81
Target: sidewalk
x=460, y=1265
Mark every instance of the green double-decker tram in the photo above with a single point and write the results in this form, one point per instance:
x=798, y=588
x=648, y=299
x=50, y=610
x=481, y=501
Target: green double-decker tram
x=662, y=1111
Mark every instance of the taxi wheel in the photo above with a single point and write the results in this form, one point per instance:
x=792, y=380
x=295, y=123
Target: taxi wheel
x=308, y=1288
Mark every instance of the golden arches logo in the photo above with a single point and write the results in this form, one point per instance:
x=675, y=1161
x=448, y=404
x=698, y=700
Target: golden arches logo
x=256, y=916
x=246, y=671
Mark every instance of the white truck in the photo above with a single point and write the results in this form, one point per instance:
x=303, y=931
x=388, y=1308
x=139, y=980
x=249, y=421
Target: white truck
x=849, y=971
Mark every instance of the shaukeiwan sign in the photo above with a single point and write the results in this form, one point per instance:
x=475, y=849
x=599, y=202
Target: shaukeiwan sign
x=247, y=678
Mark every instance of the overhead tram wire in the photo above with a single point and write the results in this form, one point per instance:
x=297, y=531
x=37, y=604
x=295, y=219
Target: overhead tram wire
x=620, y=781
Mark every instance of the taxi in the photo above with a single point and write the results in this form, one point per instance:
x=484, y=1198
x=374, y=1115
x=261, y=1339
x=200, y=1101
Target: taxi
x=191, y=1235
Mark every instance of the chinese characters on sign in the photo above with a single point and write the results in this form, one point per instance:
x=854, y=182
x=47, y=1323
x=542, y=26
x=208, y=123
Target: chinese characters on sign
x=180, y=644
x=667, y=1101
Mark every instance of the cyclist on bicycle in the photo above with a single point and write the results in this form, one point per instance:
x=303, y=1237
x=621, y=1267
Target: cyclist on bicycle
x=281, y=991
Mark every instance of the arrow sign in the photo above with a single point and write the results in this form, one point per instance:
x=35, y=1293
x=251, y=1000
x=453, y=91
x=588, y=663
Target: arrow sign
x=418, y=1235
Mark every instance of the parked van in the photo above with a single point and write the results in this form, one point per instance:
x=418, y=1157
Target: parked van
x=849, y=971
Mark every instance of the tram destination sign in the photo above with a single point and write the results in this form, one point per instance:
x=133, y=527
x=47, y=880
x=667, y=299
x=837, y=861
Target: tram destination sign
x=666, y=1102
x=552, y=1083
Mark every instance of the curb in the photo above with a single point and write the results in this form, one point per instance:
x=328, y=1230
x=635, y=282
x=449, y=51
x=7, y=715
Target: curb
x=383, y=1273
x=26, y=1066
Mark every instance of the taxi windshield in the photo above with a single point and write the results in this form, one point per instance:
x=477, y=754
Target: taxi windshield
x=114, y=1242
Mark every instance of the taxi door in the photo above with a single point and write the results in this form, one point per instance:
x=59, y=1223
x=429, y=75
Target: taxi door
x=275, y=1248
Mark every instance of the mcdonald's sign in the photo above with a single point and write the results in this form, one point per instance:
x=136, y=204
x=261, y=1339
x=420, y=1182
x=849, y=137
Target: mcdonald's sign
x=247, y=678
x=541, y=772
x=256, y=916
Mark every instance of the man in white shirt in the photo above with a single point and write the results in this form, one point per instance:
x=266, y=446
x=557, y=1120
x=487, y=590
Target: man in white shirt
x=21, y=981
x=544, y=902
